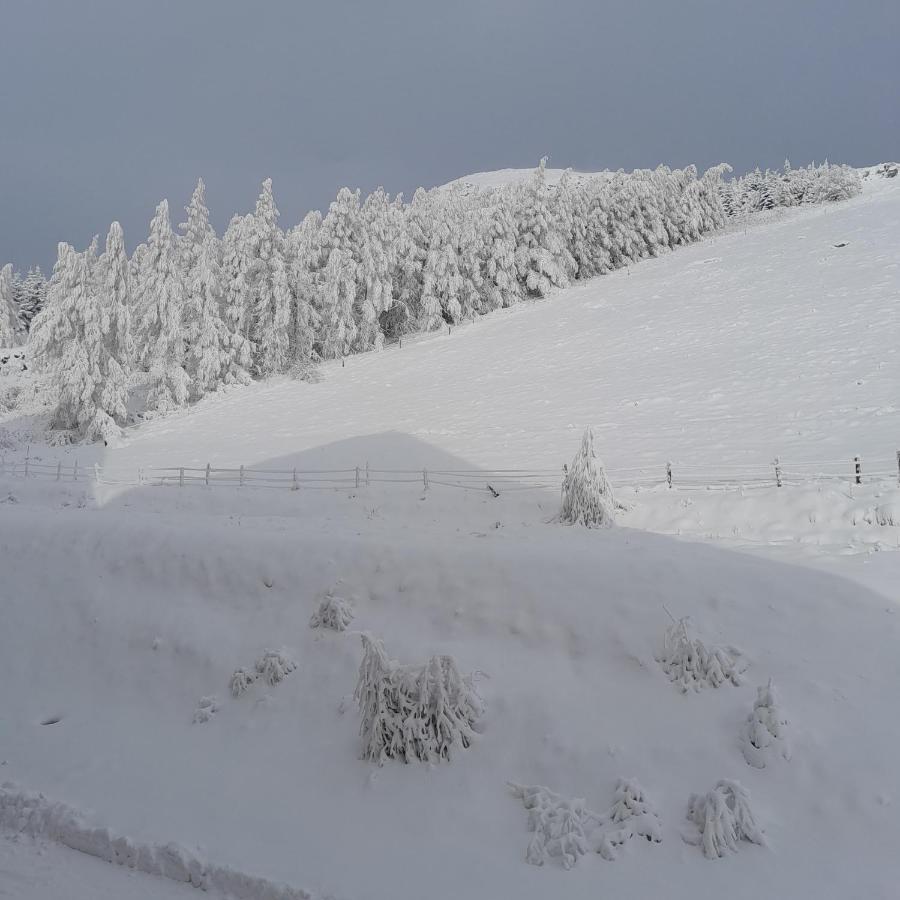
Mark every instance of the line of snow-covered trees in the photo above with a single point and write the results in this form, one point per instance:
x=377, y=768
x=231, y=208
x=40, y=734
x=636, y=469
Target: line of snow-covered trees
x=757, y=190
x=189, y=311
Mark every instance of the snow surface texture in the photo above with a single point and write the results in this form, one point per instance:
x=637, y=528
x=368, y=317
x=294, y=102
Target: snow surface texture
x=414, y=712
x=565, y=829
x=28, y=813
x=587, y=497
x=723, y=818
x=335, y=613
x=691, y=665
x=766, y=729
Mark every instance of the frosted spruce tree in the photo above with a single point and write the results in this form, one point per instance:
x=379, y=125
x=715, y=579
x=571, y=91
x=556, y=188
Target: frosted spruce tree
x=499, y=278
x=30, y=295
x=380, y=224
x=542, y=259
x=587, y=496
x=9, y=313
x=236, y=266
x=207, y=336
x=442, y=281
x=270, y=294
x=160, y=293
x=304, y=260
x=74, y=339
x=114, y=285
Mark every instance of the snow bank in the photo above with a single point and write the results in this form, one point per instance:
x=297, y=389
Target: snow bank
x=24, y=812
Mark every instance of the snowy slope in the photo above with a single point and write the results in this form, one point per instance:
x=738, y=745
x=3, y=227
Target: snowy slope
x=124, y=606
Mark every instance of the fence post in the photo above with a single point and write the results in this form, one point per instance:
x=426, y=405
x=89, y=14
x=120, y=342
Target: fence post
x=207, y=474
x=59, y=469
x=242, y=477
x=75, y=470
x=357, y=477
x=401, y=343
x=181, y=477
x=425, y=478
x=777, y=465
x=898, y=467
x=27, y=458
x=367, y=467
x=294, y=485
x=669, y=474
x=857, y=469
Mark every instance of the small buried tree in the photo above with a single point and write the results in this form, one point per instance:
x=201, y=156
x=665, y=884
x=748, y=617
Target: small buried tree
x=587, y=495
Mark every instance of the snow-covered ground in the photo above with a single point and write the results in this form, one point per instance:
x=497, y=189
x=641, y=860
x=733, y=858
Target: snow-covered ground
x=125, y=606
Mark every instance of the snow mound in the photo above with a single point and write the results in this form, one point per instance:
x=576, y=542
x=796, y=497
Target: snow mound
x=240, y=682
x=414, y=712
x=631, y=815
x=690, y=664
x=24, y=812
x=274, y=666
x=207, y=707
x=722, y=818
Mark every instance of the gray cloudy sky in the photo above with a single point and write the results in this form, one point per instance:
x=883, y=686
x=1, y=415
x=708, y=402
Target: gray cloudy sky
x=106, y=107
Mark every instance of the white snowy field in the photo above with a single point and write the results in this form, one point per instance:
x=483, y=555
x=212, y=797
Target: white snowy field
x=124, y=606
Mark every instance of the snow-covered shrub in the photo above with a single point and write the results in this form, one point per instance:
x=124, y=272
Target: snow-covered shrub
x=274, y=666
x=765, y=728
x=207, y=707
x=689, y=663
x=565, y=828
x=333, y=612
x=722, y=818
x=631, y=815
x=414, y=712
x=560, y=825
x=240, y=682
x=587, y=496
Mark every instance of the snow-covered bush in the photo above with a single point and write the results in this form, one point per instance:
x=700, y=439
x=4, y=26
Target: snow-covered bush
x=333, y=612
x=765, y=728
x=565, y=828
x=241, y=681
x=690, y=664
x=721, y=819
x=274, y=666
x=587, y=496
x=560, y=825
x=207, y=707
x=631, y=815
x=414, y=712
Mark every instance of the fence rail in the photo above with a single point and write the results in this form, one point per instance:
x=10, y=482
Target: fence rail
x=681, y=476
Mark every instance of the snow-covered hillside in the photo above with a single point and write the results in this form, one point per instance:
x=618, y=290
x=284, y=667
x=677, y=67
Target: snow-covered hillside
x=128, y=608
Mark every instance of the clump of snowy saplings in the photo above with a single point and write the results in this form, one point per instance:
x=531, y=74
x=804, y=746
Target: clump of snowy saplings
x=207, y=707
x=691, y=665
x=333, y=612
x=414, y=712
x=565, y=828
x=272, y=667
x=721, y=818
x=765, y=729
x=587, y=496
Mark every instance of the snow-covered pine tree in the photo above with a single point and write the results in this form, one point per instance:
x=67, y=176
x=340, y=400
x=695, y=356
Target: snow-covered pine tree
x=9, y=312
x=236, y=266
x=499, y=278
x=442, y=282
x=31, y=296
x=74, y=339
x=378, y=228
x=208, y=338
x=270, y=293
x=114, y=285
x=304, y=260
x=160, y=292
x=412, y=251
x=206, y=334
x=587, y=496
x=542, y=260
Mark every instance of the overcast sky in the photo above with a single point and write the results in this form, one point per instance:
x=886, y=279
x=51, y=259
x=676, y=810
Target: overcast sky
x=106, y=107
